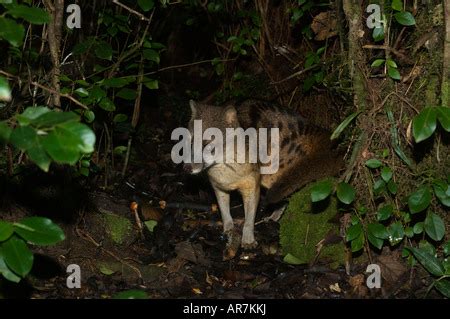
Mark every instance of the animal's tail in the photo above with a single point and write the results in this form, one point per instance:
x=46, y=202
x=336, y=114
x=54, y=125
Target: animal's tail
x=314, y=167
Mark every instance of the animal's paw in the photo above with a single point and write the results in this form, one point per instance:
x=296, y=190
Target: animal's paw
x=249, y=246
x=232, y=246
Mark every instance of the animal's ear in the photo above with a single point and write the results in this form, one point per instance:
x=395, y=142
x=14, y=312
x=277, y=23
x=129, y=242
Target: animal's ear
x=193, y=106
x=230, y=114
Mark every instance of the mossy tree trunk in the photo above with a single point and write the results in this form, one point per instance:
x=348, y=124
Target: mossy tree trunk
x=445, y=88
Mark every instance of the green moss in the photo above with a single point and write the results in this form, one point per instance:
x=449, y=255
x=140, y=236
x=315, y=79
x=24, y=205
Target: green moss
x=117, y=227
x=305, y=224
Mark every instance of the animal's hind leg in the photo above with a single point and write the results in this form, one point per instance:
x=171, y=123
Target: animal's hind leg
x=250, y=198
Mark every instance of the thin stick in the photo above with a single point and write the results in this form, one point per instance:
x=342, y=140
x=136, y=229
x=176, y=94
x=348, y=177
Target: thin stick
x=296, y=74
x=140, y=15
x=45, y=88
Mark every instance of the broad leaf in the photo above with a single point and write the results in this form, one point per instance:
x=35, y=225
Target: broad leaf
x=6, y=230
x=354, y=231
x=17, y=256
x=443, y=285
x=442, y=191
x=424, y=124
x=386, y=174
x=443, y=116
x=31, y=14
x=39, y=231
x=6, y=272
x=419, y=200
x=427, y=260
x=396, y=233
x=405, y=18
x=321, y=190
x=103, y=50
x=146, y=5
x=385, y=212
x=378, y=230
x=5, y=132
x=11, y=31
x=373, y=163
x=377, y=63
x=345, y=193
x=434, y=227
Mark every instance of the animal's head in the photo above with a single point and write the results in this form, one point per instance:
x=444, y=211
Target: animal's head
x=211, y=117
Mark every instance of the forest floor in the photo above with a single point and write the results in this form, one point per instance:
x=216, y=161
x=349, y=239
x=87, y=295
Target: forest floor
x=182, y=256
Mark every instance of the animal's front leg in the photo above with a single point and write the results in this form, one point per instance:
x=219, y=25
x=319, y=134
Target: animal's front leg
x=223, y=199
x=251, y=200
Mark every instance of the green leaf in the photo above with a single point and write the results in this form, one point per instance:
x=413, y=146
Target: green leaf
x=6, y=230
x=151, y=84
x=428, y=261
x=394, y=73
x=434, y=227
x=442, y=191
x=97, y=93
x=392, y=187
x=341, y=127
x=396, y=233
x=405, y=18
x=419, y=200
x=127, y=94
x=6, y=272
x=373, y=163
x=107, y=104
x=424, y=124
x=397, y=5
x=5, y=91
x=82, y=92
x=377, y=63
x=146, y=5
x=427, y=247
x=5, y=132
x=150, y=224
x=120, y=150
x=292, y=260
x=39, y=230
x=11, y=31
x=378, y=34
x=115, y=82
x=30, y=114
x=386, y=174
x=358, y=243
x=67, y=142
x=446, y=248
x=391, y=63
x=38, y=154
x=378, y=230
x=443, y=116
x=31, y=14
x=321, y=190
x=23, y=137
x=418, y=228
x=131, y=294
x=119, y=118
x=409, y=232
x=354, y=231
x=151, y=55
x=89, y=116
x=17, y=256
x=375, y=241
x=103, y=50
x=345, y=193
x=53, y=118
x=385, y=212
x=443, y=285
x=379, y=186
